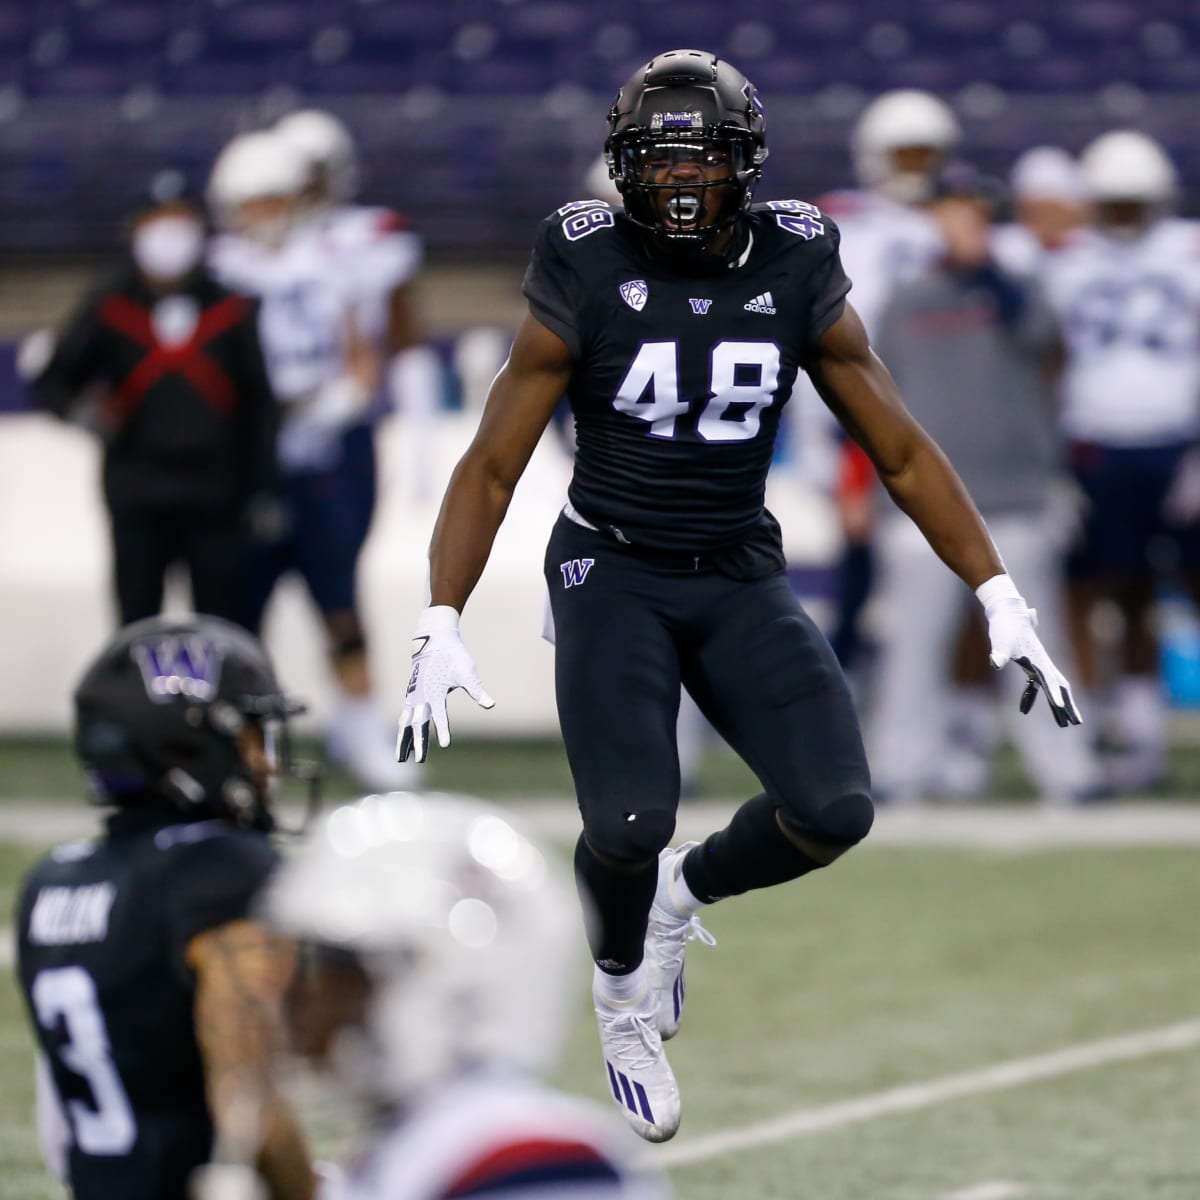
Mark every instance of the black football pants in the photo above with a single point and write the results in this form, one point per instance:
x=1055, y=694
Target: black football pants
x=213, y=546
x=630, y=629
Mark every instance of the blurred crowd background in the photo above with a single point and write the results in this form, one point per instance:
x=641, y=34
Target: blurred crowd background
x=1041, y=311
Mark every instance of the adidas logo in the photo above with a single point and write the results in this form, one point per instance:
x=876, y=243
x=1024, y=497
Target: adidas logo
x=761, y=304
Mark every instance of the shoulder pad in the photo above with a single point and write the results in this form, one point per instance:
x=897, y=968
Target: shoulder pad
x=581, y=218
x=798, y=217
x=384, y=221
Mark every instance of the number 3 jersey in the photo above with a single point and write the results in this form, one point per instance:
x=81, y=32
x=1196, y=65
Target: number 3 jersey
x=1130, y=311
x=102, y=934
x=680, y=379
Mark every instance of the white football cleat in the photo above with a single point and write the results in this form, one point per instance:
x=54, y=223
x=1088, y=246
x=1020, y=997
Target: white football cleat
x=359, y=739
x=667, y=936
x=638, y=1074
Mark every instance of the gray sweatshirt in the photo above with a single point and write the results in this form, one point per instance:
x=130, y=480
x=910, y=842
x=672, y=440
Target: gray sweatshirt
x=971, y=351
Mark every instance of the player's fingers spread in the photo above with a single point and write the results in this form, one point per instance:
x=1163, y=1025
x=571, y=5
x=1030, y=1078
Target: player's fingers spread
x=421, y=740
x=479, y=693
x=441, y=722
x=1029, y=696
x=1067, y=702
x=404, y=743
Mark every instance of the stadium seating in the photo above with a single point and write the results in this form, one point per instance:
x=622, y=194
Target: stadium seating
x=480, y=115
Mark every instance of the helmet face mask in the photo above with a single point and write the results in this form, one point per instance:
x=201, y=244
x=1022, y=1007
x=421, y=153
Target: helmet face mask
x=685, y=148
x=686, y=190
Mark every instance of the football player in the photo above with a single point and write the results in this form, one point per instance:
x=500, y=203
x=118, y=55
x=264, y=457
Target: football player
x=1127, y=290
x=436, y=944
x=901, y=141
x=677, y=327
x=152, y=992
x=382, y=255
x=1047, y=193
x=324, y=371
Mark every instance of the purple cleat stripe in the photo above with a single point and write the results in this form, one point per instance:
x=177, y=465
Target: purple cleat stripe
x=643, y=1102
x=629, y=1101
x=612, y=1079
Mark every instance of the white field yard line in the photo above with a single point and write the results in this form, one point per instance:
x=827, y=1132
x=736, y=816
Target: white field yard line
x=912, y=1097
x=996, y=1189
x=1000, y=828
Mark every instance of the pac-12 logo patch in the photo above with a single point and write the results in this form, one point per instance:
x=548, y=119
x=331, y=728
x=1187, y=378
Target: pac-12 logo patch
x=635, y=293
x=575, y=571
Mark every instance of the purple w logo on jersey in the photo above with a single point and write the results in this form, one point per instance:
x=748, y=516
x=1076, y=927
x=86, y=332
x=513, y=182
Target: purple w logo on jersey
x=699, y=307
x=184, y=665
x=575, y=571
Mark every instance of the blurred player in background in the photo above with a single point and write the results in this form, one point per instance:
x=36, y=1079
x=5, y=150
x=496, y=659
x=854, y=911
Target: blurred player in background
x=154, y=996
x=900, y=143
x=1128, y=292
x=677, y=327
x=165, y=364
x=433, y=989
x=966, y=317
x=324, y=369
x=1048, y=204
x=382, y=255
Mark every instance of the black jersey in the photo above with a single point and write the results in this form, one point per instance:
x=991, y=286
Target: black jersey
x=102, y=934
x=680, y=379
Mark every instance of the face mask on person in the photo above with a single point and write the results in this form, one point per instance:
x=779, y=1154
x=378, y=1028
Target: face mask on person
x=167, y=248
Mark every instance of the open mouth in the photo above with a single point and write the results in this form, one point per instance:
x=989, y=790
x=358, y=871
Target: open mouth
x=683, y=210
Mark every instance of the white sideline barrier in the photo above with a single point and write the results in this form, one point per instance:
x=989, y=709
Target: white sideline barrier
x=56, y=609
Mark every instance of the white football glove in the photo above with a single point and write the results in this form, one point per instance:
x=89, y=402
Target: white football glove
x=441, y=663
x=1011, y=625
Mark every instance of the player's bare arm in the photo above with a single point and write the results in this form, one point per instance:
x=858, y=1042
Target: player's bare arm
x=861, y=393
x=519, y=406
x=242, y=973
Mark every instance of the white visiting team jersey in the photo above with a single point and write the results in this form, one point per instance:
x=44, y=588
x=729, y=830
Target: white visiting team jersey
x=307, y=300
x=1017, y=249
x=1130, y=312
x=487, y=1135
x=385, y=254
x=883, y=243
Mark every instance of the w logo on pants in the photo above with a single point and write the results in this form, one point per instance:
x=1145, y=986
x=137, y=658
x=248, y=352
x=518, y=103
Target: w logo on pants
x=575, y=571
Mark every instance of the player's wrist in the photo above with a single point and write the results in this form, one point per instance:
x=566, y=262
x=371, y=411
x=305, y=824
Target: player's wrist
x=437, y=618
x=999, y=592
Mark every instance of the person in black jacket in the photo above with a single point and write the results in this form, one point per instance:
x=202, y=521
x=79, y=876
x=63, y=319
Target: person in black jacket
x=166, y=365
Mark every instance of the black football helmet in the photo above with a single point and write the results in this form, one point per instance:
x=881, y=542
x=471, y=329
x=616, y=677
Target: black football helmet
x=159, y=713
x=686, y=105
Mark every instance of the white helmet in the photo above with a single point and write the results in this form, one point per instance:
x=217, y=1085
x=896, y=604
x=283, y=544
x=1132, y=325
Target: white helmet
x=253, y=166
x=906, y=117
x=461, y=923
x=327, y=147
x=1047, y=173
x=1124, y=165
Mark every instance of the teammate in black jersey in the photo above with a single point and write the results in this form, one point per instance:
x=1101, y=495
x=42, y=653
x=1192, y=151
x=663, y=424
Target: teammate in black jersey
x=153, y=997
x=677, y=328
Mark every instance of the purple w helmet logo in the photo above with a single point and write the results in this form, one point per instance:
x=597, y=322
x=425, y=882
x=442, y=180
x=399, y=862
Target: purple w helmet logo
x=180, y=665
x=575, y=571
